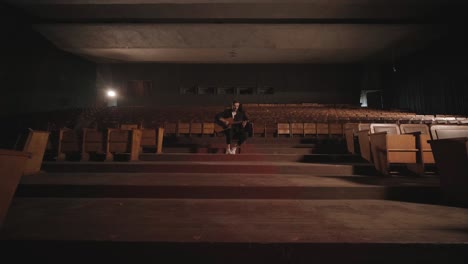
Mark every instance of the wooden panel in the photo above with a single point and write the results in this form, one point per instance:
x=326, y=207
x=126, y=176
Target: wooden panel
x=118, y=135
x=94, y=147
x=68, y=142
x=451, y=157
x=135, y=143
x=322, y=129
x=160, y=140
x=36, y=145
x=119, y=147
x=354, y=126
x=129, y=126
x=118, y=140
x=92, y=142
x=208, y=128
x=364, y=126
x=196, y=128
x=170, y=128
x=401, y=157
x=259, y=129
x=310, y=129
x=283, y=129
x=351, y=130
x=93, y=136
x=364, y=145
x=183, y=128
x=148, y=138
x=270, y=129
x=297, y=128
x=388, y=148
x=336, y=128
x=425, y=147
x=12, y=166
x=123, y=141
x=402, y=148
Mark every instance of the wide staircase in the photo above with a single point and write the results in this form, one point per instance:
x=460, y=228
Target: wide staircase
x=281, y=200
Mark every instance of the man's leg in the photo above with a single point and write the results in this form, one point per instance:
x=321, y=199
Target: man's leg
x=229, y=135
x=240, y=135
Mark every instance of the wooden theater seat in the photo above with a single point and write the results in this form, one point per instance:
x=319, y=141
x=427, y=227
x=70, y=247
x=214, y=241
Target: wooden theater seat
x=283, y=129
x=129, y=126
x=93, y=142
x=297, y=129
x=388, y=128
x=259, y=129
x=364, y=141
x=310, y=129
x=68, y=143
x=323, y=129
x=183, y=129
x=335, y=129
x=170, y=129
x=422, y=135
x=389, y=146
x=449, y=131
x=451, y=155
x=351, y=130
x=208, y=128
x=123, y=141
x=152, y=138
x=35, y=143
x=196, y=128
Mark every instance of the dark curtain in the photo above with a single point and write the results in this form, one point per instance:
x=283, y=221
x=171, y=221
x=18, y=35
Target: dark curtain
x=434, y=81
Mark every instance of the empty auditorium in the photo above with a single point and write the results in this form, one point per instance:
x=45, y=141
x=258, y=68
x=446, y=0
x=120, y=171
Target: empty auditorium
x=234, y=131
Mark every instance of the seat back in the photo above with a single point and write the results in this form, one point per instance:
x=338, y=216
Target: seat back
x=389, y=128
x=412, y=128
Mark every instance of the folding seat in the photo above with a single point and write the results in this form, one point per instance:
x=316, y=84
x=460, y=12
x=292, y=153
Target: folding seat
x=283, y=129
x=69, y=143
x=297, y=129
x=123, y=141
x=389, y=146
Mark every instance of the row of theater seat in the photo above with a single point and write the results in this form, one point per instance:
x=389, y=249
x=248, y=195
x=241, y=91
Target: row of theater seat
x=387, y=144
x=278, y=113
x=261, y=129
x=258, y=113
x=107, y=143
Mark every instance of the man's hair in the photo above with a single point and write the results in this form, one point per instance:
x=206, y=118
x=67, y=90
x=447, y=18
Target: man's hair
x=240, y=105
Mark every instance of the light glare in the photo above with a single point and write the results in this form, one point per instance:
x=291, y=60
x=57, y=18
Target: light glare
x=111, y=93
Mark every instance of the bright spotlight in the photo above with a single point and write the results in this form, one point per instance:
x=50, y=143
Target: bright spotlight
x=111, y=93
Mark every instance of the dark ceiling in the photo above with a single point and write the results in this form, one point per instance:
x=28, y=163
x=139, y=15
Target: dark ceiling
x=242, y=31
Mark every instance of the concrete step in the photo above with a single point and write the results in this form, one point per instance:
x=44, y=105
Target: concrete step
x=233, y=231
x=229, y=186
x=311, y=158
x=257, y=166
x=253, y=140
x=247, y=150
x=279, y=146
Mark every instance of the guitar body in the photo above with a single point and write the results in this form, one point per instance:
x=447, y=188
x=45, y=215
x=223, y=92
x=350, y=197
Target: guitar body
x=220, y=126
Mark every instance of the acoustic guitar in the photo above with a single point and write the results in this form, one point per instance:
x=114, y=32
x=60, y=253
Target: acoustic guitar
x=220, y=126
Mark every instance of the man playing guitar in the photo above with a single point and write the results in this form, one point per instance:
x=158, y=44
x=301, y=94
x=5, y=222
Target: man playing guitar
x=233, y=122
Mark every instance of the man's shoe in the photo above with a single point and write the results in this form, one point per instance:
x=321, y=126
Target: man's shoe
x=233, y=150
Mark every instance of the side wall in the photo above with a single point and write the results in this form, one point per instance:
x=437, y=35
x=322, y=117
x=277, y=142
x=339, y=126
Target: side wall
x=36, y=76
